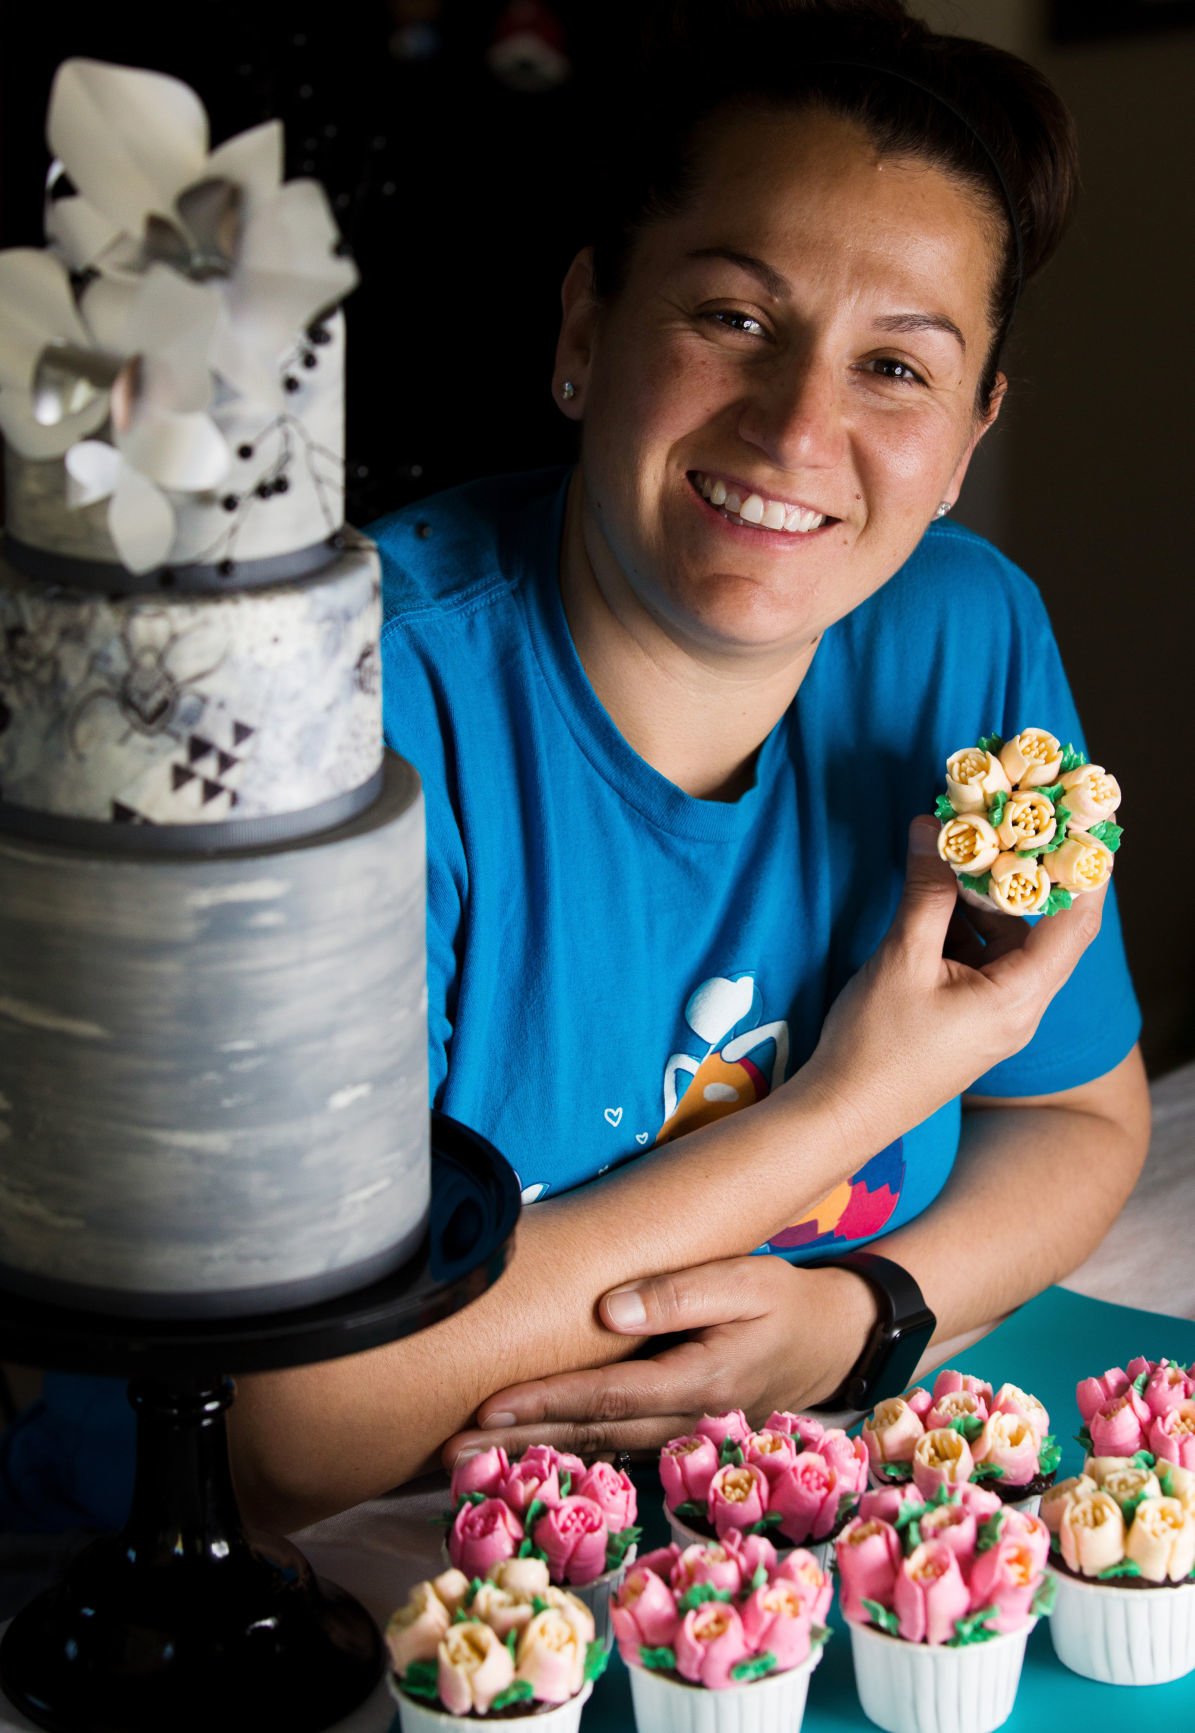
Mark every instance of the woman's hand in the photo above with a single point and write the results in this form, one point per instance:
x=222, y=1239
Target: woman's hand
x=935, y=1008
x=760, y=1334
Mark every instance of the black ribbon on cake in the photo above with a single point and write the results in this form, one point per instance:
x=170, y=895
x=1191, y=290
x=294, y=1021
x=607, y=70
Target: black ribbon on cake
x=225, y=577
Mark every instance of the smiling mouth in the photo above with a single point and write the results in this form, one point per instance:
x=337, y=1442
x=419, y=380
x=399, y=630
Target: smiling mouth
x=756, y=510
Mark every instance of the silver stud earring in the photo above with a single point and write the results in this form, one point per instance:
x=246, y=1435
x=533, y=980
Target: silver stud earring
x=568, y=389
x=943, y=508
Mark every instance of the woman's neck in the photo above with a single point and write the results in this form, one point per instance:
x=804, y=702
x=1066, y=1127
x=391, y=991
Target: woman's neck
x=697, y=715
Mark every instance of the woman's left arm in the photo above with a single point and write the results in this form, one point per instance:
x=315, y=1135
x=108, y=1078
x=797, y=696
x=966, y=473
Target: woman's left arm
x=1037, y=1183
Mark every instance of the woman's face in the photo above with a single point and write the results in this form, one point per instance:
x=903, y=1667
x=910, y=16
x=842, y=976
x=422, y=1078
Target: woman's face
x=805, y=340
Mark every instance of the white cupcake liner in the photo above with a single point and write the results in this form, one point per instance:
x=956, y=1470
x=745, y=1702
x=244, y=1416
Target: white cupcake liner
x=1031, y=1505
x=596, y=1596
x=1124, y=1636
x=418, y=1717
x=773, y=1704
x=929, y=1688
x=684, y=1536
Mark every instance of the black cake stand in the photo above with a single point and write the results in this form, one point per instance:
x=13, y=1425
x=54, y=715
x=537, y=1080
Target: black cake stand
x=185, y=1620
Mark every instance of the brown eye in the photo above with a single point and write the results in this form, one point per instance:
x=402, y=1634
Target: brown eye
x=888, y=367
x=744, y=322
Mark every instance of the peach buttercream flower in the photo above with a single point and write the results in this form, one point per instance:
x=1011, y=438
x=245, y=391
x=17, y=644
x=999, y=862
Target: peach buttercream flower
x=1020, y=884
x=1128, y=1484
x=956, y=1405
x=501, y=1609
x=968, y=844
x=416, y=1630
x=521, y=1576
x=452, y=1586
x=941, y=1458
x=1027, y=821
x=1092, y=1533
x=1161, y=1540
x=1056, y=1498
x=474, y=1667
x=1009, y=1442
x=891, y=1431
x=1083, y=863
x=973, y=776
x=1090, y=795
x=1011, y=1399
x=551, y=1657
x=1032, y=758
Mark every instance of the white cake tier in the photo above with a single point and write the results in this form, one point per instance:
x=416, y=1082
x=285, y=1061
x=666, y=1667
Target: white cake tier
x=190, y=709
x=247, y=516
x=213, y=1071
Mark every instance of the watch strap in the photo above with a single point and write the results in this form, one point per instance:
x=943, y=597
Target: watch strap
x=896, y=1340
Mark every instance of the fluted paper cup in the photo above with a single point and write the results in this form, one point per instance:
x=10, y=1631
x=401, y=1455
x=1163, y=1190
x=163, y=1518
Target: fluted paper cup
x=596, y=1596
x=418, y=1717
x=773, y=1704
x=1124, y=1636
x=685, y=1536
x=930, y=1688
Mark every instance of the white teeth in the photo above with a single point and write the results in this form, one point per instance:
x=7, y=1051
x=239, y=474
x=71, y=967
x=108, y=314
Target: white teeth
x=770, y=514
x=733, y=502
x=717, y=493
x=773, y=515
x=751, y=510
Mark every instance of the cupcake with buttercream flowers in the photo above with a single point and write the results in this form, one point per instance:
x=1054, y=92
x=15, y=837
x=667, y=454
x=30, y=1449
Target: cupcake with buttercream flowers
x=1027, y=823
x=511, y=1647
x=940, y=1592
x=545, y=1505
x=1147, y=1405
x=962, y=1431
x=721, y=1634
x=1122, y=1540
x=793, y=1480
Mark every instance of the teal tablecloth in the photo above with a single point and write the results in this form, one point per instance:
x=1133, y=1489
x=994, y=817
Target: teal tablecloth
x=1046, y=1348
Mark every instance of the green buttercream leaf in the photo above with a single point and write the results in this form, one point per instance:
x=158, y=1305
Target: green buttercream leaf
x=1143, y=1459
x=596, y=1657
x=462, y=1616
x=972, y=1629
x=1050, y=1455
x=989, y=743
x=978, y=884
x=987, y=1471
x=1053, y=793
x=943, y=809
x=528, y=1549
x=421, y=1679
x=846, y=1504
x=699, y=1594
x=1057, y=840
x=898, y=1472
x=1165, y=1482
x=539, y=1605
x=755, y=1668
x=1058, y=899
x=1072, y=759
x=970, y=1425
x=1083, y=1437
x=769, y=1520
x=989, y=1531
x=759, y=1577
x=1055, y=1542
x=520, y=1691
x=882, y=1616
x=1126, y=1568
x=512, y=1642
x=730, y=1455
x=907, y=1514
x=618, y=1545
x=819, y=1636
x=1042, y=1604
x=1128, y=1508
x=689, y=1509
x=661, y=1660
x=566, y=1483
x=911, y=1539
x=1107, y=833
x=471, y=1591
x=535, y=1510
x=1140, y=1381
x=996, y=810
x=944, y=1493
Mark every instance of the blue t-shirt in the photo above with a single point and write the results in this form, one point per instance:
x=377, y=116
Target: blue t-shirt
x=612, y=961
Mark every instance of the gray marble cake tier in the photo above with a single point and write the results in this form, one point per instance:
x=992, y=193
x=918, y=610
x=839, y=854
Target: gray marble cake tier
x=213, y=1071
x=190, y=709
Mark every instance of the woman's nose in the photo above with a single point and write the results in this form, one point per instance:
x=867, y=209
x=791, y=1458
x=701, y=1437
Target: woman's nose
x=795, y=415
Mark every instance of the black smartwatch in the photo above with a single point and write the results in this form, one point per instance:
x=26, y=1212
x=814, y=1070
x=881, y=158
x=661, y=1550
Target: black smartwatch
x=897, y=1339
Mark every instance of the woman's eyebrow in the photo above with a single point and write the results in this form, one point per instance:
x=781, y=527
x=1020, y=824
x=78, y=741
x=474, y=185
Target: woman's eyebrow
x=922, y=322
x=776, y=285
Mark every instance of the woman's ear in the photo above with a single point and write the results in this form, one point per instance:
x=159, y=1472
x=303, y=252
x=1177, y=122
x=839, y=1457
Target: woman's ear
x=983, y=423
x=578, y=329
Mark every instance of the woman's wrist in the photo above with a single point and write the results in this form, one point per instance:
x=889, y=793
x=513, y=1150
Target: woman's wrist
x=847, y=1310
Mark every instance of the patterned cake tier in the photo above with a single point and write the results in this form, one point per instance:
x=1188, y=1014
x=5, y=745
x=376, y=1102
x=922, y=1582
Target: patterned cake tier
x=189, y=710
x=213, y=1071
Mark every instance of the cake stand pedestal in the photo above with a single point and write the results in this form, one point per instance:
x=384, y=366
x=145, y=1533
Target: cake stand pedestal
x=185, y=1619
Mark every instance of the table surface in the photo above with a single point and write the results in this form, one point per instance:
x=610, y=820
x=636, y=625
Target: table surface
x=1135, y=1295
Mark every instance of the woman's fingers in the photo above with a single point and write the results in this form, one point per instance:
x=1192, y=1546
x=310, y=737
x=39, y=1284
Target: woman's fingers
x=1046, y=957
x=583, y=1438
x=722, y=1292
x=928, y=900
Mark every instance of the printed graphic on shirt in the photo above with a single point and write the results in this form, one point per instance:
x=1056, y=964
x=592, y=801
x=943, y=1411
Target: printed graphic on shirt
x=746, y=1058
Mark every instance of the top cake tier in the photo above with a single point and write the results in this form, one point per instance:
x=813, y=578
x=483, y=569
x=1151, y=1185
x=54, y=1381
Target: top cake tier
x=171, y=364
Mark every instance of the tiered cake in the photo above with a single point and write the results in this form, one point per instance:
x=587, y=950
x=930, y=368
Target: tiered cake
x=213, y=1069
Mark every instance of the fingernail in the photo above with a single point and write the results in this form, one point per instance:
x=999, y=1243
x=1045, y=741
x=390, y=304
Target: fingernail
x=465, y=1454
x=624, y=1307
x=923, y=837
x=492, y=1422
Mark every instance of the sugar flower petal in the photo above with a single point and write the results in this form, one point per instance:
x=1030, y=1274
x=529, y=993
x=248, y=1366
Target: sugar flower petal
x=140, y=521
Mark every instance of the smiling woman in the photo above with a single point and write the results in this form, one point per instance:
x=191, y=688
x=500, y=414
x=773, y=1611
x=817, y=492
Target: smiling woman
x=674, y=710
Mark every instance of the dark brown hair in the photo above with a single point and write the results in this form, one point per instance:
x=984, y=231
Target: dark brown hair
x=983, y=116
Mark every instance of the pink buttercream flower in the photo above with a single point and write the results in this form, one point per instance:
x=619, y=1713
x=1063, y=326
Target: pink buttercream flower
x=929, y=1594
x=868, y=1553
x=479, y=1473
x=522, y=1484
x=806, y=1495
x=1011, y=1399
x=719, y=1427
x=803, y=1427
x=1172, y=1436
x=1008, y=1442
x=890, y=1432
x=687, y=1465
x=708, y=1643
x=884, y=1502
x=919, y=1400
x=613, y=1491
x=981, y=1501
x=847, y=1456
x=573, y=1535
x=751, y=1551
x=954, y=1525
x=1120, y=1427
x=475, y=1665
x=1092, y=1394
x=800, y=1567
x=661, y=1559
x=643, y=1613
x=1007, y=1577
x=955, y=1405
x=776, y=1620
x=941, y=1458
x=1166, y=1388
x=545, y=1457
x=1029, y=1531
x=948, y=1380
x=1140, y=1364
x=738, y=1497
x=482, y=1535
x=770, y=1451
x=715, y=1564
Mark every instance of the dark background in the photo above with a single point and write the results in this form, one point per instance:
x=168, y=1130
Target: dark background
x=463, y=186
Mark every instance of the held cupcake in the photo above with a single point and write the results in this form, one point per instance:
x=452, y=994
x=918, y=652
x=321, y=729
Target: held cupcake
x=546, y=1505
x=512, y=1648
x=940, y=1595
x=721, y=1636
x=792, y=1480
x=1027, y=823
x=1122, y=1538
x=962, y=1431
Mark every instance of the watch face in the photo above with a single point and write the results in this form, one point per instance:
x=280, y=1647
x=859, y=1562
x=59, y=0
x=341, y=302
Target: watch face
x=896, y=1359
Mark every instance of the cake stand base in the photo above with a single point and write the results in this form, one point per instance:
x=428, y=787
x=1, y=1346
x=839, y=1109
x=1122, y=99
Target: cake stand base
x=186, y=1621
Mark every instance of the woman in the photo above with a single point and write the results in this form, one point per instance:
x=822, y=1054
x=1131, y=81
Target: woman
x=673, y=713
